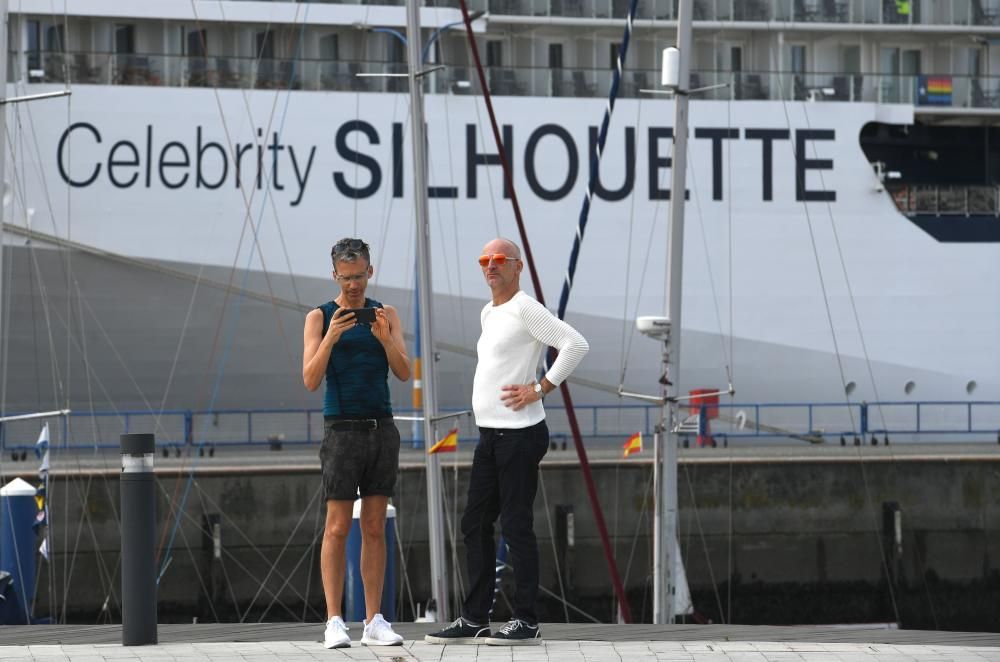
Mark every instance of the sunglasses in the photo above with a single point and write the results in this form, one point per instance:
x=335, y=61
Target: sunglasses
x=498, y=259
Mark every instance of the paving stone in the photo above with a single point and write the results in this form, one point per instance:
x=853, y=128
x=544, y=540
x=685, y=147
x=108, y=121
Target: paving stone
x=549, y=651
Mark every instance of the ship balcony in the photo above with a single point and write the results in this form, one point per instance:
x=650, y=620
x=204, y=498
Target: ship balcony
x=951, y=200
x=88, y=68
x=867, y=12
x=950, y=213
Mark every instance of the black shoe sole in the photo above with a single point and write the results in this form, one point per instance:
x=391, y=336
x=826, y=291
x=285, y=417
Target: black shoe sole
x=466, y=641
x=493, y=641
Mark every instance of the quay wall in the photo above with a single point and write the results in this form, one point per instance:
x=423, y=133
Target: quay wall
x=764, y=540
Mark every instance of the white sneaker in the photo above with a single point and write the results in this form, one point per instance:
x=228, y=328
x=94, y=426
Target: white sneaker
x=378, y=632
x=336, y=634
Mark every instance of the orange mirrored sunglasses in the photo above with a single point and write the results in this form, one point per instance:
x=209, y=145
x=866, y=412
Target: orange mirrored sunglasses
x=498, y=258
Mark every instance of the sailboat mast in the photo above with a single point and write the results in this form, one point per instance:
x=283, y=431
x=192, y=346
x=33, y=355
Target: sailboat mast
x=435, y=509
x=3, y=149
x=664, y=579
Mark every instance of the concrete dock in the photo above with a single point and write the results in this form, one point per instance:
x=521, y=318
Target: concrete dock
x=563, y=643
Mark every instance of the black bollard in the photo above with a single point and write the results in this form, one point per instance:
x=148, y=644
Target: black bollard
x=138, y=506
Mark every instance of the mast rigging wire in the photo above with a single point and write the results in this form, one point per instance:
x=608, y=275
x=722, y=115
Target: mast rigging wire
x=836, y=346
x=254, y=245
x=595, y=162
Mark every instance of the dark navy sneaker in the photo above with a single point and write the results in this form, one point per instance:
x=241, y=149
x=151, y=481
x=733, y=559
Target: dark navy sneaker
x=460, y=632
x=516, y=633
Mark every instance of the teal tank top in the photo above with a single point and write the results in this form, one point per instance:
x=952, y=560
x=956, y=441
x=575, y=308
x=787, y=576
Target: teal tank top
x=357, y=374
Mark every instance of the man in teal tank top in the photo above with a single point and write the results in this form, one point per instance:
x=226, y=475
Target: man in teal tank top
x=360, y=451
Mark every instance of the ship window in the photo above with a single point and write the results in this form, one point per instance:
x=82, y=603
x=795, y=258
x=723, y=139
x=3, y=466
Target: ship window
x=729, y=57
x=267, y=74
x=124, y=39
x=798, y=58
x=971, y=386
x=850, y=57
x=265, y=45
x=889, y=61
x=909, y=387
x=55, y=39
x=397, y=51
x=34, y=43
x=975, y=62
x=494, y=53
x=329, y=47
x=849, y=388
x=197, y=43
x=899, y=64
x=555, y=56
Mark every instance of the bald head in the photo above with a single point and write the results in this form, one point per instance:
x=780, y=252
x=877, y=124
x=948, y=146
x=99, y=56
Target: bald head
x=502, y=273
x=501, y=245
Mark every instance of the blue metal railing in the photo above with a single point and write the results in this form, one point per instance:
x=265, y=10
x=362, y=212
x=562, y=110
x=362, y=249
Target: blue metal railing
x=750, y=422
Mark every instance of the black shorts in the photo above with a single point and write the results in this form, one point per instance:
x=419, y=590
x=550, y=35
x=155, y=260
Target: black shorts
x=359, y=460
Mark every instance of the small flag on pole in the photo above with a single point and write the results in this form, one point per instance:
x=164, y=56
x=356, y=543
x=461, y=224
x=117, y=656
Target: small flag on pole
x=633, y=445
x=43, y=438
x=447, y=445
x=42, y=451
x=42, y=445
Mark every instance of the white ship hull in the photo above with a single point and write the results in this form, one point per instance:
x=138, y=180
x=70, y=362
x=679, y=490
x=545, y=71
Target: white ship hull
x=776, y=288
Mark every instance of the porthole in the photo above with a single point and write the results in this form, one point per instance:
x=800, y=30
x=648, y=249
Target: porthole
x=908, y=388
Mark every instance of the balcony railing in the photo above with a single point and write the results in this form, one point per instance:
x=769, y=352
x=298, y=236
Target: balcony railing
x=886, y=12
x=601, y=425
x=324, y=75
x=946, y=200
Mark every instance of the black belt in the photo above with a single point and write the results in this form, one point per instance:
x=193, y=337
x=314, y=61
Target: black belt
x=353, y=424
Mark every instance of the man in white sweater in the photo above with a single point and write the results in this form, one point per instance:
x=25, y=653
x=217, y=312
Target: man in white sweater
x=513, y=438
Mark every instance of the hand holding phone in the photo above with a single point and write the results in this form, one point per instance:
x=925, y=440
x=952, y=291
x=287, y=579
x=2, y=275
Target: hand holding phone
x=341, y=321
x=381, y=328
x=362, y=315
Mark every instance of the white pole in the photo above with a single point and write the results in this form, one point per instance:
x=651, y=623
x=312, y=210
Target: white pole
x=664, y=579
x=3, y=150
x=43, y=414
x=435, y=507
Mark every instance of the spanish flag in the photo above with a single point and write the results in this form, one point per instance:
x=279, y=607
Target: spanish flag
x=447, y=445
x=633, y=445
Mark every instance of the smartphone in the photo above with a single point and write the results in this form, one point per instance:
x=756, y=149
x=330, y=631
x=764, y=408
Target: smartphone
x=362, y=315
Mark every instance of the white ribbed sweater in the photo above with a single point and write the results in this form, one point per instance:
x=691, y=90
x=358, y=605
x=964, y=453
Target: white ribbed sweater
x=514, y=336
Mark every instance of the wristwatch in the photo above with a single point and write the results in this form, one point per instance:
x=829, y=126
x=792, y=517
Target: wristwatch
x=540, y=391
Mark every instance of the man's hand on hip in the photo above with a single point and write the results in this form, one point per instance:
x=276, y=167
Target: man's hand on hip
x=518, y=396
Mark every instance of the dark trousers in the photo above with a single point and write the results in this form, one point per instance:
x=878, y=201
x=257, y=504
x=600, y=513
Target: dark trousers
x=503, y=483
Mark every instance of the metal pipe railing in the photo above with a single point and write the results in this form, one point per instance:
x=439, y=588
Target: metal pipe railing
x=230, y=71
x=751, y=422
x=946, y=200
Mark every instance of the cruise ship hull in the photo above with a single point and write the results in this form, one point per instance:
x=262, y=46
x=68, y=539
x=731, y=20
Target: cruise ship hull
x=164, y=245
